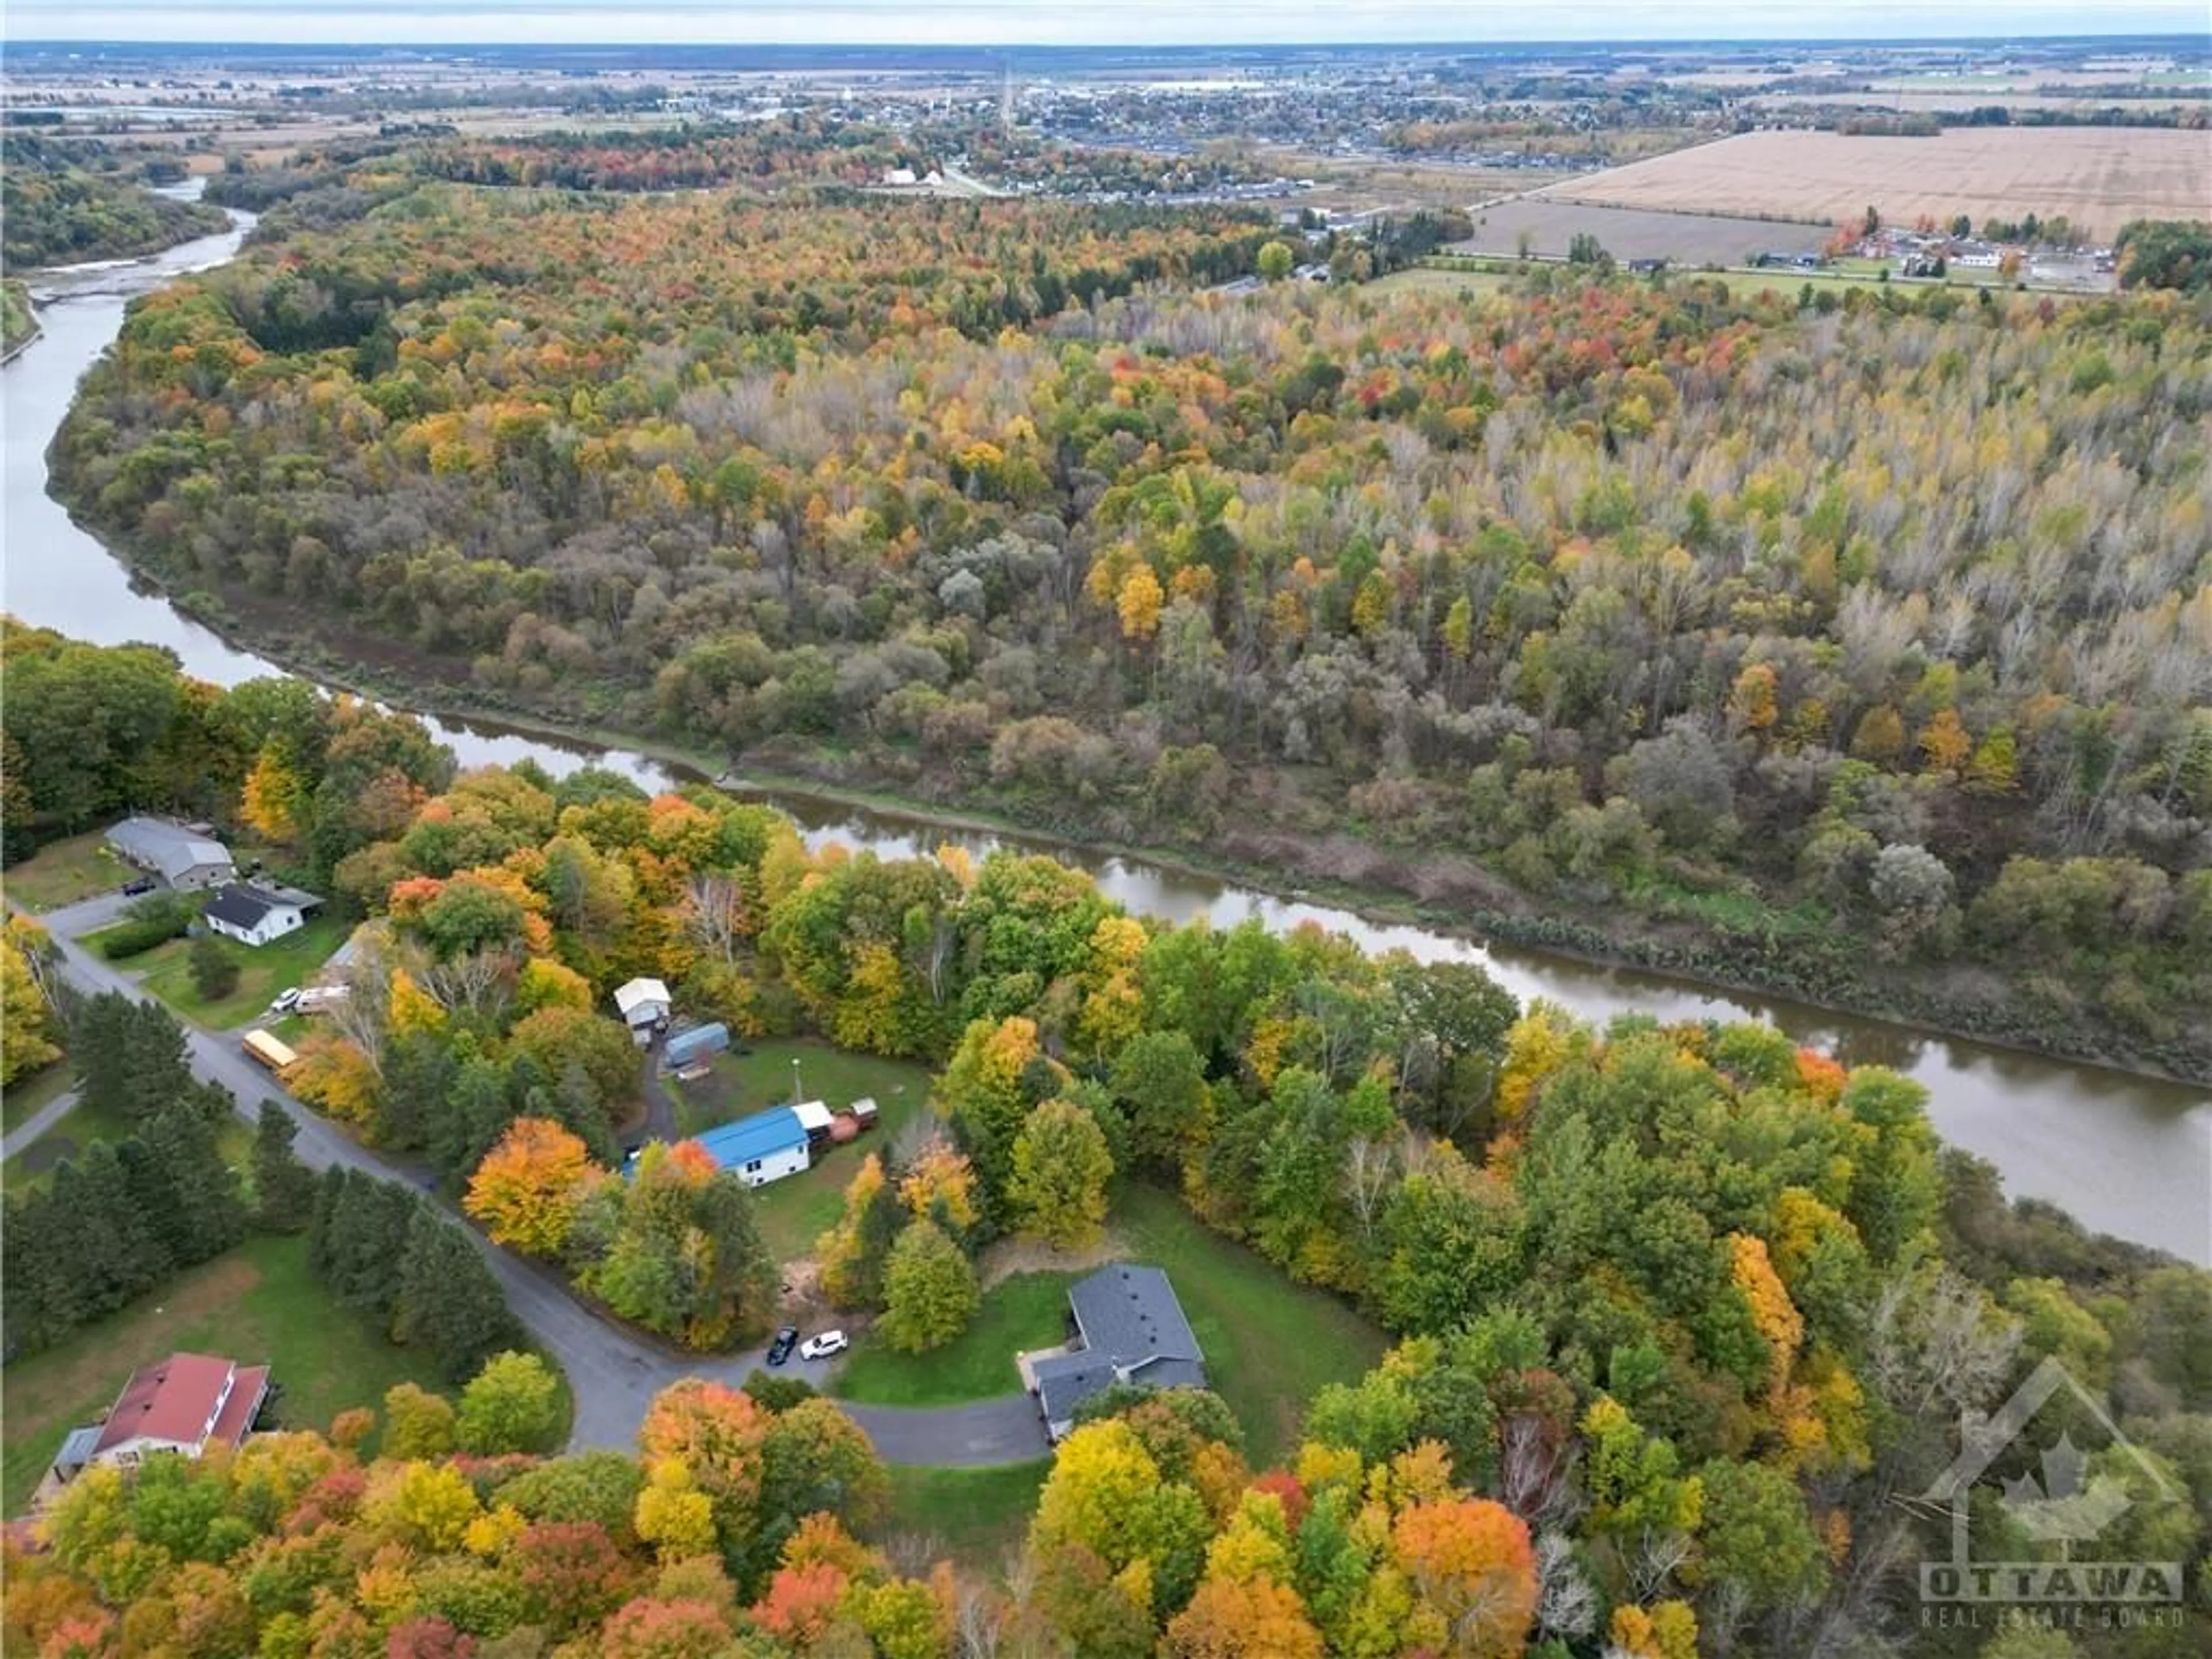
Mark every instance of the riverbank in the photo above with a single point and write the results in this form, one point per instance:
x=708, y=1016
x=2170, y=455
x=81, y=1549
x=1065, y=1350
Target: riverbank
x=1449, y=894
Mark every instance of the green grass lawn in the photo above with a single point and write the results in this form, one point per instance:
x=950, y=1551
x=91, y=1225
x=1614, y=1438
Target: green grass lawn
x=1269, y=1345
x=258, y=1303
x=64, y=872
x=1431, y=279
x=33, y=1165
x=1028, y=1311
x=977, y=1516
x=796, y=1210
x=27, y=1096
x=263, y=970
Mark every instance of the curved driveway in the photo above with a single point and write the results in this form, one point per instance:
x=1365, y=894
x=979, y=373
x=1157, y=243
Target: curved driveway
x=613, y=1373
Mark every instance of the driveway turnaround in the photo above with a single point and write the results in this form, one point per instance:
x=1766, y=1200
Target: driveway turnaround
x=613, y=1372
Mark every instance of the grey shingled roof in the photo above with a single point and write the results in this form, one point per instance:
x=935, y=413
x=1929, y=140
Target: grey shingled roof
x=1133, y=1330
x=1131, y=1313
x=244, y=907
x=169, y=847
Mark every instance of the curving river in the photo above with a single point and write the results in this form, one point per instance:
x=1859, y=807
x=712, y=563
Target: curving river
x=2128, y=1155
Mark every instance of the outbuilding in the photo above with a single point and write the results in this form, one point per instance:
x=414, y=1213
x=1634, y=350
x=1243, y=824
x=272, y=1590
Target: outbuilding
x=764, y=1147
x=643, y=1004
x=186, y=856
x=693, y=1044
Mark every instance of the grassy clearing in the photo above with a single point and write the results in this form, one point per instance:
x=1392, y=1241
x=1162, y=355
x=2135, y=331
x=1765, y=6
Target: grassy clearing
x=257, y=1303
x=1431, y=279
x=263, y=970
x=64, y=871
x=795, y=1211
x=1028, y=1311
x=1269, y=1344
x=33, y=1166
x=26, y=1097
x=977, y=1516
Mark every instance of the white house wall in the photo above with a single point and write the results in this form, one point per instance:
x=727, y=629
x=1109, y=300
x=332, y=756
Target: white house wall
x=774, y=1167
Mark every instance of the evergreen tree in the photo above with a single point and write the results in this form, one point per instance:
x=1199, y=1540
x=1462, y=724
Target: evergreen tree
x=419, y=1073
x=215, y=971
x=449, y=1304
x=188, y=1195
x=284, y=1188
x=358, y=1239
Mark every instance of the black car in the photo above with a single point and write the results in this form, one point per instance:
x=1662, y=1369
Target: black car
x=141, y=884
x=786, y=1340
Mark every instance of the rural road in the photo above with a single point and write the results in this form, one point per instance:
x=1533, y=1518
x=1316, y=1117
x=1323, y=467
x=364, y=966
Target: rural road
x=613, y=1373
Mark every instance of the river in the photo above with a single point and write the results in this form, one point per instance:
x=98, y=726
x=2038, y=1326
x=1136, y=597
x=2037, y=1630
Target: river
x=2127, y=1155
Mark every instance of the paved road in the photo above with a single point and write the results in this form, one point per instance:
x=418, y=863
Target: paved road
x=37, y=1123
x=613, y=1373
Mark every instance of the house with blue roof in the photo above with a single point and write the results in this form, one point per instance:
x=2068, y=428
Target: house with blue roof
x=764, y=1147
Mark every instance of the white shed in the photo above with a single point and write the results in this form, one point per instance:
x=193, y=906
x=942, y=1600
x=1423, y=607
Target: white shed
x=643, y=1003
x=813, y=1117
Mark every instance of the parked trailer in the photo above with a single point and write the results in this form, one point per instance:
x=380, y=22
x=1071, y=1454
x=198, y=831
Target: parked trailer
x=696, y=1043
x=271, y=1052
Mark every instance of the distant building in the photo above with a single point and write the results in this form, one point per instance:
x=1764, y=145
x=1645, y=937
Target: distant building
x=255, y=915
x=1128, y=1327
x=1647, y=267
x=185, y=1404
x=643, y=1004
x=185, y=856
x=764, y=1147
x=900, y=177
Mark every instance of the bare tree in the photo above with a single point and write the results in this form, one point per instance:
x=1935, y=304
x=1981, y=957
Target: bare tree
x=479, y=984
x=718, y=915
x=1371, y=1169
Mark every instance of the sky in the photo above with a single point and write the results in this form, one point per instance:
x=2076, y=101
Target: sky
x=1071, y=23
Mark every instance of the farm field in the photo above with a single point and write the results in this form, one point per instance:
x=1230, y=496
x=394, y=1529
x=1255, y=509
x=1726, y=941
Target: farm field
x=1552, y=223
x=1429, y=279
x=2098, y=177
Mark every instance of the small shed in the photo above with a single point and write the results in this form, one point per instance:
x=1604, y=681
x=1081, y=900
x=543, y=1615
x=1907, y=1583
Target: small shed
x=813, y=1117
x=864, y=1111
x=643, y=1004
x=695, y=1043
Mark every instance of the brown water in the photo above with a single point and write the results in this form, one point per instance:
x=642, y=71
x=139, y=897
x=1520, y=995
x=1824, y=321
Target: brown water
x=2128, y=1155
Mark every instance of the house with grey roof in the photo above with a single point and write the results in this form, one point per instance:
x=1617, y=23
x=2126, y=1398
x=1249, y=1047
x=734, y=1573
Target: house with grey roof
x=186, y=856
x=254, y=912
x=1127, y=1327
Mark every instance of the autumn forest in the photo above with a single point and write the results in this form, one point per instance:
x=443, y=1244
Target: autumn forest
x=1852, y=644
x=1860, y=651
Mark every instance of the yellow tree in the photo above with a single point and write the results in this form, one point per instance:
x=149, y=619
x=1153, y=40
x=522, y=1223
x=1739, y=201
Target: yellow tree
x=526, y=1190
x=673, y=1516
x=1139, y=603
x=1945, y=742
x=26, y=1023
